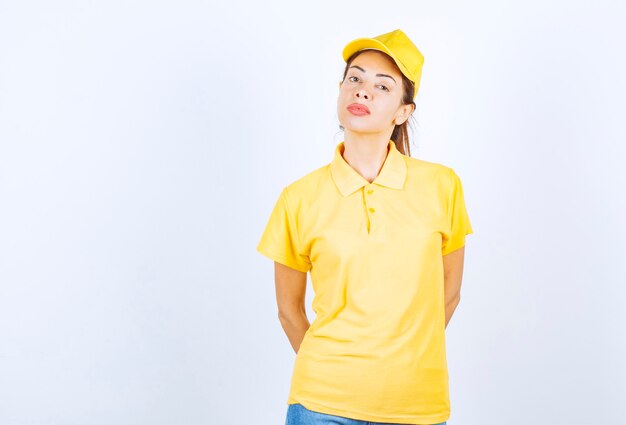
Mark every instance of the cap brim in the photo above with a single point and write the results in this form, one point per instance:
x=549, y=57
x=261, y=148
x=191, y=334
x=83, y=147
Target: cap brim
x=363, y=43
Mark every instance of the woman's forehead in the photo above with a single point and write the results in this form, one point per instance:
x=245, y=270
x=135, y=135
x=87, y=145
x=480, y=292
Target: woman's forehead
x=376, y=61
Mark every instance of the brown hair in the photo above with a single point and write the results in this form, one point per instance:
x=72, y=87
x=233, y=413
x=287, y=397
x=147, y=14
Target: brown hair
x=400, y=134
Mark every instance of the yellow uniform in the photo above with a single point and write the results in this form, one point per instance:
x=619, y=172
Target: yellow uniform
x=376, y=349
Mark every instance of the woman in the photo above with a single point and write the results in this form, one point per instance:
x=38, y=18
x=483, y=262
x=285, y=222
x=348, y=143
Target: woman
x=383, y=236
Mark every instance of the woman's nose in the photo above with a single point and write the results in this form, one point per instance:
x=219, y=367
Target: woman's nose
x=362, y=94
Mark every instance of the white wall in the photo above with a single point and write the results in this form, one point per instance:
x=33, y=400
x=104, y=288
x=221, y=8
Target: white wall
x=143, y=145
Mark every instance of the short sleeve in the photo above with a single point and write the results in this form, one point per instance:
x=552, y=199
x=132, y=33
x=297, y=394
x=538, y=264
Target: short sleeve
x=280, y=240
x=457, y=217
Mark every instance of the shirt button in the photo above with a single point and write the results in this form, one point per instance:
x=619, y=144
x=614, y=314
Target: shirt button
x=370, y=191
x=372, y=210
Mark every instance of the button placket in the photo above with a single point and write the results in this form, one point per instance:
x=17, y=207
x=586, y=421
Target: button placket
x=369, y=208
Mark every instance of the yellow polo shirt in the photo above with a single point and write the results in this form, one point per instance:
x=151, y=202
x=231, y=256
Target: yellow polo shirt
x=376, y=349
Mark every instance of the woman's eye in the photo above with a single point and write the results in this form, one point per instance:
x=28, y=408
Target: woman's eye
x=350, y=78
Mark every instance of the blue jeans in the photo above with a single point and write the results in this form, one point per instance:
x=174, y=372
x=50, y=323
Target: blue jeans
x=297, y=414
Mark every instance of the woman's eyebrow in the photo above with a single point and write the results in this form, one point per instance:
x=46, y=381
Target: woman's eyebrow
x=378, y=75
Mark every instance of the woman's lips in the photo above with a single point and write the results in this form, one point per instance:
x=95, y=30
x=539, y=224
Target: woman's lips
x=358, y=109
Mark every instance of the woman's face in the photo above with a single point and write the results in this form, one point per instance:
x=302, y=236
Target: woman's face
x=374, y=83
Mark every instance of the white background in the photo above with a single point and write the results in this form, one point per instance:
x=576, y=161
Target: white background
x=143, y=145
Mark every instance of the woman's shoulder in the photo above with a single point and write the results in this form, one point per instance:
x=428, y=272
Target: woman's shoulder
x=308, y=183
x=425, y=168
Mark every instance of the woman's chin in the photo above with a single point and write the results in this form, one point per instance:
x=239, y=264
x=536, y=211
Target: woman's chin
x=363, y=129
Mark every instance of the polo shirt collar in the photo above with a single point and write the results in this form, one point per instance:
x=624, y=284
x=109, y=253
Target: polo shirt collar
x=347, y=179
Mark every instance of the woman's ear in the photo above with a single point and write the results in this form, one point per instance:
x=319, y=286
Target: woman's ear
x=406, y=111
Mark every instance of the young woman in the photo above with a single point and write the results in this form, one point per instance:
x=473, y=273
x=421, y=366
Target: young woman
x=383, y=237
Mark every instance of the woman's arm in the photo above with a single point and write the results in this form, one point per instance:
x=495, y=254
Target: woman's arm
x=453, y=274
x=290, y=297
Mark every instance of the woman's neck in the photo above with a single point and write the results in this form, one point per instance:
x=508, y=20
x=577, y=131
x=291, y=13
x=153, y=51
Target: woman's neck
x=366, y=157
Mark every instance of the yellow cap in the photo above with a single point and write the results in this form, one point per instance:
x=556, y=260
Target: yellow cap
x=397, y=45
